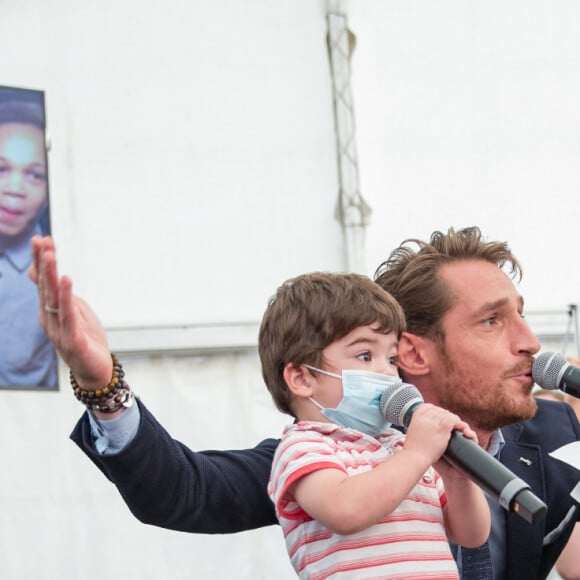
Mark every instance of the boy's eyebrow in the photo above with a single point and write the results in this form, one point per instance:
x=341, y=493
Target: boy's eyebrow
x=359, y=340
x=368, y=340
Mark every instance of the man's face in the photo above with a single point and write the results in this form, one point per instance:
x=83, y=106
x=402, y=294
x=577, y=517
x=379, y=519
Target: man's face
x=482, y=371
x=23, y=191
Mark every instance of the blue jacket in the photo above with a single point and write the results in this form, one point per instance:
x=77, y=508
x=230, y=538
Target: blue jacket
x=154, y=475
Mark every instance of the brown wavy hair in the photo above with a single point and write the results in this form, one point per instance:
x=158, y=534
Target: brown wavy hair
x=310, y=312
x=410, y=274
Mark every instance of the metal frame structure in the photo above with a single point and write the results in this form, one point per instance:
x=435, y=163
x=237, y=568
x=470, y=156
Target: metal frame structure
x=351, y=209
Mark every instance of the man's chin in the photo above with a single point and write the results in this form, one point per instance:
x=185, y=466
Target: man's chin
x=503, y=417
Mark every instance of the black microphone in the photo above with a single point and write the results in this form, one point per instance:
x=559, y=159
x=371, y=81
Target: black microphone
x=552, y=371
x=398, y=403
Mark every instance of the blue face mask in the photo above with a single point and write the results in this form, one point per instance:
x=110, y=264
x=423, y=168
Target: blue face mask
x=359, y=406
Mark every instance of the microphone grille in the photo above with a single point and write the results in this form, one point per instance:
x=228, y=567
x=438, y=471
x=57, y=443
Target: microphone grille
x=547, y=369
x=396, y=401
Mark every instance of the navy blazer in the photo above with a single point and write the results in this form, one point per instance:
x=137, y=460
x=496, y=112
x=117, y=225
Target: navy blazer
x=526, y=454
x=166, y=484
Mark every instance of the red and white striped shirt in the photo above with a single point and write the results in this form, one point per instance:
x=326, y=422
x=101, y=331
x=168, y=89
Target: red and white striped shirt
x=409, y=544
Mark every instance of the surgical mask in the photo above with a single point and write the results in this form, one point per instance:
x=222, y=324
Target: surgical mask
x=359, y=407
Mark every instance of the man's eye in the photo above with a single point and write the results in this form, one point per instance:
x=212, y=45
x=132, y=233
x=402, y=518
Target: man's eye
x=364, y=356
x=490, y=321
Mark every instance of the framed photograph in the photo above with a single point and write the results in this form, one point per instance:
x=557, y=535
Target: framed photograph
x=27, y=358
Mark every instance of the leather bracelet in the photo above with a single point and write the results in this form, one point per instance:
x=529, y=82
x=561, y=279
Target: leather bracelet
x=110, y=398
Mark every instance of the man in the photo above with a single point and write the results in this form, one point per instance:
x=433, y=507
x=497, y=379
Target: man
x=467, y=349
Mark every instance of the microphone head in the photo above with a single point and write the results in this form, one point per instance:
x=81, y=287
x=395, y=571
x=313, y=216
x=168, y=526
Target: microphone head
x=547, y=370
x=396, y=402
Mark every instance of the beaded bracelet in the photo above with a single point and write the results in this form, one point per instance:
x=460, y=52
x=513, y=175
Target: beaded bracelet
x=110, y=398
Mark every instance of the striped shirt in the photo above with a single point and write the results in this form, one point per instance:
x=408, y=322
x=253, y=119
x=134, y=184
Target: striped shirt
x=409, y=543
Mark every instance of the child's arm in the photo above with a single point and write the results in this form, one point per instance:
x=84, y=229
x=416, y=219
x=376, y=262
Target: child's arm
x=466, y=513
x=347, y=504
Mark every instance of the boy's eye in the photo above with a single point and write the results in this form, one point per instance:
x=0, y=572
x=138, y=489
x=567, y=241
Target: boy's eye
x=393, y=359
x=36, y=176
x=364, y=356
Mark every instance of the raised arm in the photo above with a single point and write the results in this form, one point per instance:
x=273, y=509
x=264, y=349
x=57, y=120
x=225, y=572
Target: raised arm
x=162, y=481
x=166, y=484
x=69, y=322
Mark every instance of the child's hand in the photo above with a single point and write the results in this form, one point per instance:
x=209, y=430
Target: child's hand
x=466, y=430
x=446, y=470
x=430, y=429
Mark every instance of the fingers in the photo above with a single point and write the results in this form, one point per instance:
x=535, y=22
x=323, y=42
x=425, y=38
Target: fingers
x=49, y=277
x=35, y=243
x=430, y=421
x=466, y=430
x=44, y=274
x=437, y=416
x=65, y=303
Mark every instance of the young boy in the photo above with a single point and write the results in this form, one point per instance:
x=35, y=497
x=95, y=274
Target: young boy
x=27, y=357
x=355, y=497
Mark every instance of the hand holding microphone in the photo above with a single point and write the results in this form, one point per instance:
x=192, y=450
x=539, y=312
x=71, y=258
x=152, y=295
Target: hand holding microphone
x=400, y=401
x=429, y=431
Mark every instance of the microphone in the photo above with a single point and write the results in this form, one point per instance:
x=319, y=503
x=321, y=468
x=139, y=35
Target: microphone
x=552, y=371
x=399, y=402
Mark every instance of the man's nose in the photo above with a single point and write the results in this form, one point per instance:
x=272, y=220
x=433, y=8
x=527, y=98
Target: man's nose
x=524, y=339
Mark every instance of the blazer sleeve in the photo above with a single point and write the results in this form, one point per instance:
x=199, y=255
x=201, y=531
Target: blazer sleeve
x=166, y=484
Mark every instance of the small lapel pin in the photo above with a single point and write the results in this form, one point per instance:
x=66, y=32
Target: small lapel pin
x=525, y=460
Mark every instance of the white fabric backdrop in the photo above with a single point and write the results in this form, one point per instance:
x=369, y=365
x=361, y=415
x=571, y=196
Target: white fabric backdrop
x=210, y=121
x=61, y=518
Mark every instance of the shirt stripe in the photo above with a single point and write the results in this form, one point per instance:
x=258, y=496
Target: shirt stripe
x=408, y=544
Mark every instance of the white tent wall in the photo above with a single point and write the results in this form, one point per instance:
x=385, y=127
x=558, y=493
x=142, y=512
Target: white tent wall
x=184, y=136
x=193, y=168
x=62, y=519
x=467, y=113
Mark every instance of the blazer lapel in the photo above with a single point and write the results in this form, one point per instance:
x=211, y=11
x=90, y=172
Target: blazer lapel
x=525, y=461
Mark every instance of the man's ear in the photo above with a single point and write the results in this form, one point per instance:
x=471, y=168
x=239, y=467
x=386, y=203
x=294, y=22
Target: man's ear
x=413, y=354
x=298, y=379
